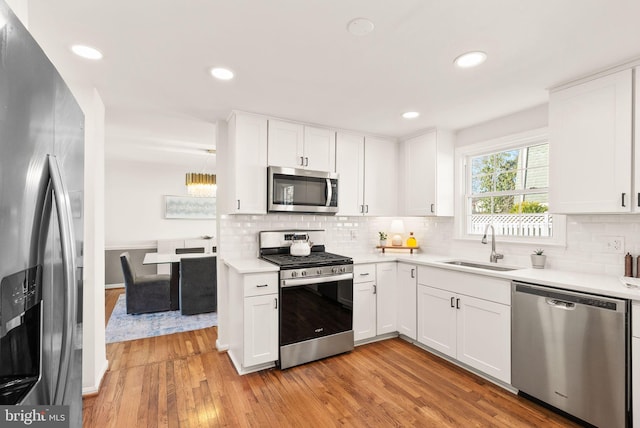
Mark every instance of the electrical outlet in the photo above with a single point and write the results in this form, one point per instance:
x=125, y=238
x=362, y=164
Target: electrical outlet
x=354, y=235
x=614, y=244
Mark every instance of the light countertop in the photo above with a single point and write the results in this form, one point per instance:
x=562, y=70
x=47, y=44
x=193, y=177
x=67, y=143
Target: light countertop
x=607, y=285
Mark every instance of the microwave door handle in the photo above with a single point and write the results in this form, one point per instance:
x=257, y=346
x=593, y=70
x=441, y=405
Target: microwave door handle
x=329, y=193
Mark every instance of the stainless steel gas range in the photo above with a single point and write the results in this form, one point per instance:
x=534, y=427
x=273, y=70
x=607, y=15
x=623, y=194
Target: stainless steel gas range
x=316, y=297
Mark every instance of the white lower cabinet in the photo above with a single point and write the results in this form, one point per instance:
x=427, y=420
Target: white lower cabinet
x=471, y=329
x=253, y=320
x=260, y=329
x=406, y=300
x=374, y=300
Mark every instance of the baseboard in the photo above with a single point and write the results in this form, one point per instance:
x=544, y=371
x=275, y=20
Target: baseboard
x=221, y=347
x=93, y=390
x=112, y=286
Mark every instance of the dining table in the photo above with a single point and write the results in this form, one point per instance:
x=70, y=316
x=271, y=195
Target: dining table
x=174, y=260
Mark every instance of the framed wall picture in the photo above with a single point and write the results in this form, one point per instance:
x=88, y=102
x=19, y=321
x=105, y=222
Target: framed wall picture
x=189, y=207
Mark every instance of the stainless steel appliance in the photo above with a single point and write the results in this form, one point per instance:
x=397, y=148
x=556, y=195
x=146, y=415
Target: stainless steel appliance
x=571, y=350
x=316, y=294
x=302, y=190
x=41, y=197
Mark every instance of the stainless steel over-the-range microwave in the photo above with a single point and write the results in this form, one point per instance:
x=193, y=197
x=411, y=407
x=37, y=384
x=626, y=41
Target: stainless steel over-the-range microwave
x=302, y=190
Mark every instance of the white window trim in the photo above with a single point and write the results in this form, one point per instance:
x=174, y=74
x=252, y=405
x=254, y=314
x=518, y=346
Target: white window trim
x=496, y=145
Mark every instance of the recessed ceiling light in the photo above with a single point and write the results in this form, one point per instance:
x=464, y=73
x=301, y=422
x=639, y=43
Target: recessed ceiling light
x=86, y=52
x=360, y=26
x=410, y=114
x=470, y=59
x=222, y=73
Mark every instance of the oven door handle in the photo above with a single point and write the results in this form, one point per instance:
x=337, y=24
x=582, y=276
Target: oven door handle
x=308, y=281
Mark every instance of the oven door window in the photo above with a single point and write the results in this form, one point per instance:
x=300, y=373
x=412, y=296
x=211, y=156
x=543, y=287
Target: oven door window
x=317, y=310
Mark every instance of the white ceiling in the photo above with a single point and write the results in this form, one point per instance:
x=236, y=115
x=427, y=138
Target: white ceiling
x=294, y=59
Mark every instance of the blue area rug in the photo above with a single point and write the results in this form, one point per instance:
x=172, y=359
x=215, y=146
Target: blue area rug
x=122, y=327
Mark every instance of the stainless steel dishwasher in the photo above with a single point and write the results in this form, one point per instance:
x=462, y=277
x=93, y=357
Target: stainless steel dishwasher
x=571, y=350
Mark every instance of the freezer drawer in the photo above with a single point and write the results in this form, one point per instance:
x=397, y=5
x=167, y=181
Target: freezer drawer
x=570, y=350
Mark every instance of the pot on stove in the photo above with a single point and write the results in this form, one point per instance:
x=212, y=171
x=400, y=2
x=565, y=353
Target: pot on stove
x=300, y=245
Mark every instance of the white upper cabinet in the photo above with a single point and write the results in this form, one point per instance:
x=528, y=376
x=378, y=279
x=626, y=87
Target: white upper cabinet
x=590, y=146
x=427, y=175
x=368, y=183
x=297, y=146
x=247, y=164
x=380, y=177
x=350, y=168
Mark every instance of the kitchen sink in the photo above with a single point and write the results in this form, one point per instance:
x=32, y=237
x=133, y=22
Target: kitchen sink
x=481, y=265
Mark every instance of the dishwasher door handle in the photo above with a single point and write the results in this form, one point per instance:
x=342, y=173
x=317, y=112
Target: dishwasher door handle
x=560, y=304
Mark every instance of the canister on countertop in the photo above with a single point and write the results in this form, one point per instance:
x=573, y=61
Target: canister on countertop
x=628, y=265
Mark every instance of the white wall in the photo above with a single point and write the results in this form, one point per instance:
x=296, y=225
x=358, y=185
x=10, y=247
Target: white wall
x=134, y=204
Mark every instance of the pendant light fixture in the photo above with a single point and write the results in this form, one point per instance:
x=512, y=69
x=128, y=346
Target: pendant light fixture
x=201, y=185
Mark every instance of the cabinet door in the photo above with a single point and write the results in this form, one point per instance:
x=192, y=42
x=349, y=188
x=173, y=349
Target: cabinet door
x=407, y=304
x=260, y=329
x=590, y=146
x=249, y=166
x=350, y=167
x=437, y=319
x=286, y=144
x=484, y=336
x=419, y=164
x=380, y=177
x=427, y=176
x=364, y=310
x=386, y=297
x=319, y=149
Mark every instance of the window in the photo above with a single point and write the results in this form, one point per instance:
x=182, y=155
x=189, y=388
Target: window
x=506, y=184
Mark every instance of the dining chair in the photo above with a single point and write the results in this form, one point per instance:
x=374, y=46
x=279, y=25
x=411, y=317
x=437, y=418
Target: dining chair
x=189, y=250
x=144, y=293
x=198, y=285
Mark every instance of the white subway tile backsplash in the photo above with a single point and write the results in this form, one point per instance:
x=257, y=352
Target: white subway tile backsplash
x=585, y=250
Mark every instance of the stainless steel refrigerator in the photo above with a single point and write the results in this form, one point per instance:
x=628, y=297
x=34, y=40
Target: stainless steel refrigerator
x=41, y=227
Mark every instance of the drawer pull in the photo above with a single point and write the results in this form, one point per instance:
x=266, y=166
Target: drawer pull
x=262, y=285
x=364, y=274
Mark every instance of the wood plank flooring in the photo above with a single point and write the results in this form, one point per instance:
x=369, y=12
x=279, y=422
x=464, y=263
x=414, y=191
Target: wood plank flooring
x=181, y=380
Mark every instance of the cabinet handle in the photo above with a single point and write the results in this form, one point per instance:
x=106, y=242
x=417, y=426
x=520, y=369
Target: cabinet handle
x=262, y=285
x=638, y=199
x=623, y=195
x=276, y=302
x=306, y=161
x=375, y=289
x=364, y=274
x=433, y=208
x=457, y=303
x=238, y=203
x=367, y=208
x=452, y=302
x=301, y=160
x=413, y=273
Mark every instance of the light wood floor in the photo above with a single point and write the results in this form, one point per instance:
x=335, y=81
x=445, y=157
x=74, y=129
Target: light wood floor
x=181, y=380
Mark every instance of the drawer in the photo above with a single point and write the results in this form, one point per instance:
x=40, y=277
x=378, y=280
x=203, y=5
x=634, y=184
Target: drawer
x=257, y=284
x=364, y=273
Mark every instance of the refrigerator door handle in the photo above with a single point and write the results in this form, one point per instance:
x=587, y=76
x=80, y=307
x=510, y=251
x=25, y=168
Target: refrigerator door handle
x=65, y=219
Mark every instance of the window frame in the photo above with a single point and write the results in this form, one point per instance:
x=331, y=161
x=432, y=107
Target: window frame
x=512, y=141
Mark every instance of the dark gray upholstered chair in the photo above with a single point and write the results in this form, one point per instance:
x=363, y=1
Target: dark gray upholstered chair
x=189, y=250
x=144, y=293
x=198, y=289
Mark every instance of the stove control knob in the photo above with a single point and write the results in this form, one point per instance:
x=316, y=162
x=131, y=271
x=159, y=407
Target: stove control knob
x=294, y=274
x=303, y=273
x=334, y=270
x=319, y=272
x=343, y=270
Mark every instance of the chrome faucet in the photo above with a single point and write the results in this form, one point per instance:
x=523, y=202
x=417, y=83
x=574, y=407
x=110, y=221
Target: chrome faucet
x=494, y=256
